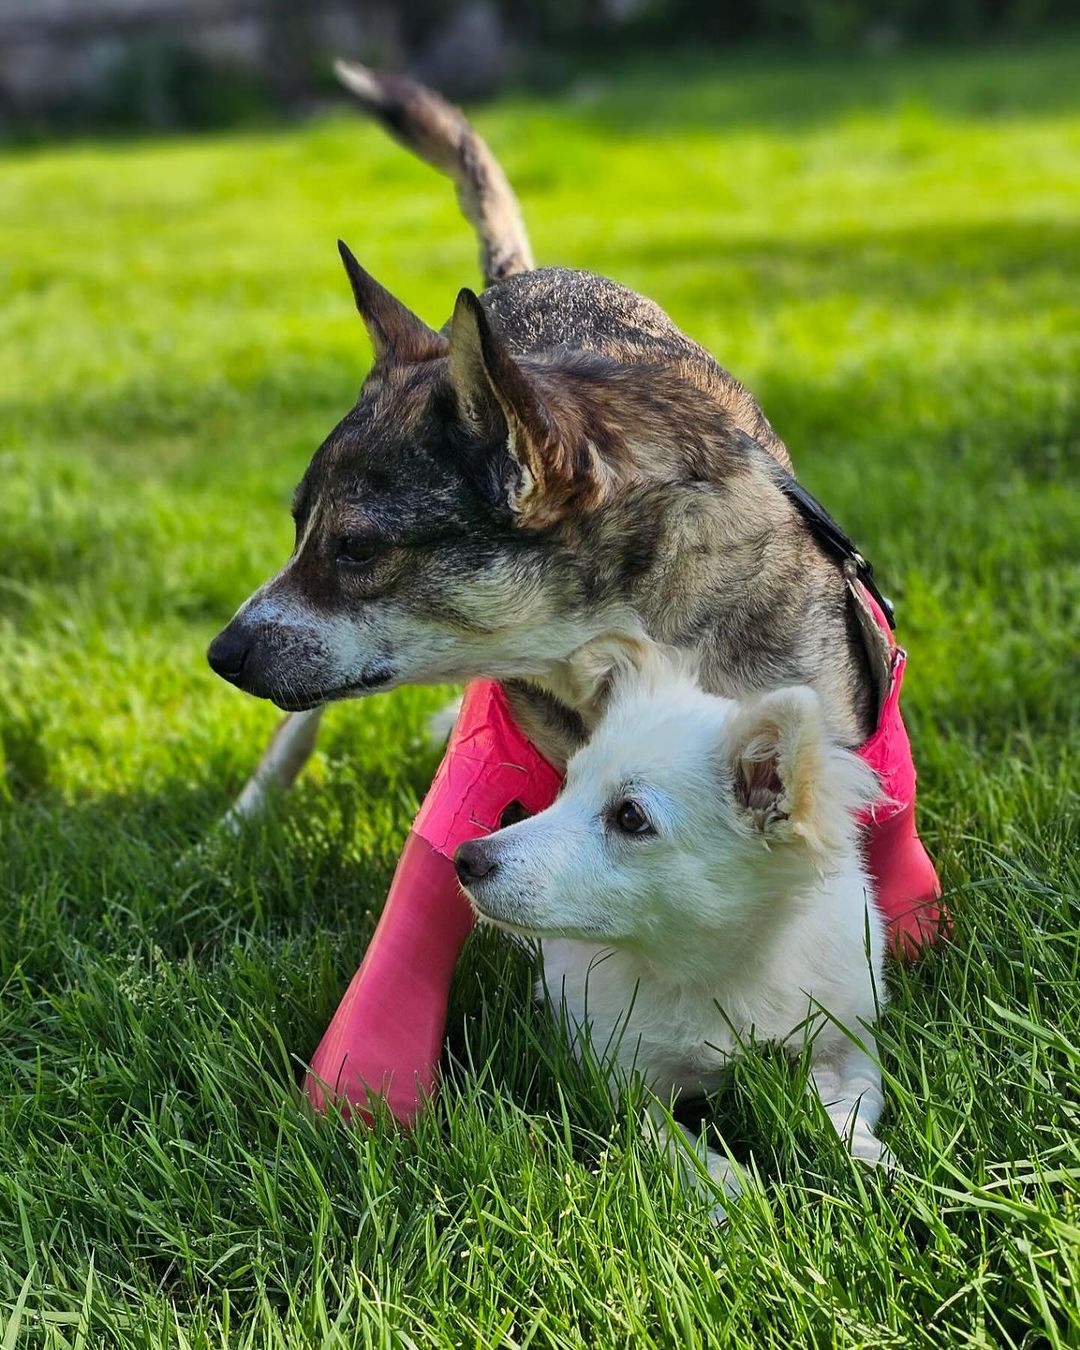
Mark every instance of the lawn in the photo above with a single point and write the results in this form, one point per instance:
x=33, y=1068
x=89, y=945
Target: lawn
x=886, y=252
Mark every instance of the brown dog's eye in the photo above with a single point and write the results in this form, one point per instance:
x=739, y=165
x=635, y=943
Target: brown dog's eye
x=358, y=551
x=631, y=819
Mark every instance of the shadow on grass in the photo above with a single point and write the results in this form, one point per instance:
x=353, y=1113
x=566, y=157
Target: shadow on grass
x=688, y=91
x=125, y=870
x=989, y=268
x=990, y=265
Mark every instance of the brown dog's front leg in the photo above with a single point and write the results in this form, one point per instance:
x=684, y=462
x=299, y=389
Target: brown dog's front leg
x=290, y=748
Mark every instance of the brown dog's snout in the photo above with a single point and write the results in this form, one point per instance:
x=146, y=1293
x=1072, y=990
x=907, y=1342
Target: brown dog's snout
x=473, y=862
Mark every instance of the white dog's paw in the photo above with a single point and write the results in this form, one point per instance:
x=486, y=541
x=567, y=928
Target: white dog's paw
x=725, y=1176
x=703, y=1177
x=871, y=1152
x=884, y=1162
x=718, y=1215
x=702, y=1170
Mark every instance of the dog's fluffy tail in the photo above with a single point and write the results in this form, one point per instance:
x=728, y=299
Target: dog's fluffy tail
x=438, y=132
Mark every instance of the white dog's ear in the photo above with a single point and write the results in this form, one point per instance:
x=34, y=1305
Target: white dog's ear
x=790, y=781
x=616, y=664
x=600, y=664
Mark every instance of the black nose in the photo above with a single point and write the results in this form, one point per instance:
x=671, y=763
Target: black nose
x=473, y=862
x=227, y=654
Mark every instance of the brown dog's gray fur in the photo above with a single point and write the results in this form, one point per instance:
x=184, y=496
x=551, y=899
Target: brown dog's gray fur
x=558, y=463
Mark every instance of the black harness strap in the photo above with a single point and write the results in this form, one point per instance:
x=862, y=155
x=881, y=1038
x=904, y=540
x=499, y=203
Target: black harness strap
x=831, y=537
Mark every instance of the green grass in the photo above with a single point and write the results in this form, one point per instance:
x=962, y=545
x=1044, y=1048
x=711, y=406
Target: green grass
x=886, y=252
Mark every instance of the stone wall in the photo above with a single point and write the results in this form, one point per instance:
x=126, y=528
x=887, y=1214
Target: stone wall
x=56, y=53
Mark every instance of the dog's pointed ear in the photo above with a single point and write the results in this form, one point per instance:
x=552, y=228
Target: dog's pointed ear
x=497, y=399
x=790, y=781
x=397, y=334
x=603, y=664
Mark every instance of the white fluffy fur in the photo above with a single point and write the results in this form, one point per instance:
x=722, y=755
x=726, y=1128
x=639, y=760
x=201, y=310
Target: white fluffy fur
x=744, y=914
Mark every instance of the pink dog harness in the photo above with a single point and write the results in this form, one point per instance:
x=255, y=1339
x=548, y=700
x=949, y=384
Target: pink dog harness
x=386, y=1037
x=906, y=886
x=489, y=764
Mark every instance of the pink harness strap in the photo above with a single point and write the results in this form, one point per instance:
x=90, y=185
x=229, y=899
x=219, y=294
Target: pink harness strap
x=488, y=765
x=906, y=886
x=386, y=1037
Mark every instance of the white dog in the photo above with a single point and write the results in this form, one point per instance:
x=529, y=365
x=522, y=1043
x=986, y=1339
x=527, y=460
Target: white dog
x=697, y=884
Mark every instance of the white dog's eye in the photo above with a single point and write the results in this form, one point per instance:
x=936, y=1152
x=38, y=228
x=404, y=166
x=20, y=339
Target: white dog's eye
x=629, y=818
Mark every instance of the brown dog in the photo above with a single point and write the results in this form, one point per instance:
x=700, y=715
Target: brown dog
x=557, y=463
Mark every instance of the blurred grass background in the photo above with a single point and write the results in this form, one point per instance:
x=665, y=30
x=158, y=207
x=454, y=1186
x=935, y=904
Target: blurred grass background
x=884, y=249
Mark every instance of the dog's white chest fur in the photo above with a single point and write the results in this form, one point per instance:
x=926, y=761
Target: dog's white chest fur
x=677, y=1038
x=678, y=1028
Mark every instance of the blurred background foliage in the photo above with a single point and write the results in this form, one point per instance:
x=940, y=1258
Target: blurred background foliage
x=123, y=65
